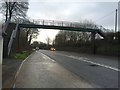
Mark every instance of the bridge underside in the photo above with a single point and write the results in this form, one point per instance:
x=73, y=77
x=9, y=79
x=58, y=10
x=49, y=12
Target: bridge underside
x=61, y=28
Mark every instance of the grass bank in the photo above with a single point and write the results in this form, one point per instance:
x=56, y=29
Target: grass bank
x=21, y=55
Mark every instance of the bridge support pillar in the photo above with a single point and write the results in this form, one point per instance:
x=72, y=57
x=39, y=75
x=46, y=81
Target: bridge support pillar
x=93, y=42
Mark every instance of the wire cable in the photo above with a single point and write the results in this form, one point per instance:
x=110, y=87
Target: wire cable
x=109, y=14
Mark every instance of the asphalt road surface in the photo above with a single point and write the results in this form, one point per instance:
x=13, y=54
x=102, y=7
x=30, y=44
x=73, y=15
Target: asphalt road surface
x=100, y=71
x=58, y=69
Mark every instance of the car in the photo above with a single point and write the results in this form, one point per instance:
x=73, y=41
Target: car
x=52, y=49
x=37, y=48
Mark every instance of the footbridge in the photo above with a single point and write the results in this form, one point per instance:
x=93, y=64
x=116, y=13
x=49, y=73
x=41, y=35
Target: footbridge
x=62, y=25
x=53, y=24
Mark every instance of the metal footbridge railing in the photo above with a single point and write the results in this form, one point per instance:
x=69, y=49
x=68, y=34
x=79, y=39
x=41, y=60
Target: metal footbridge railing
x=62, y=25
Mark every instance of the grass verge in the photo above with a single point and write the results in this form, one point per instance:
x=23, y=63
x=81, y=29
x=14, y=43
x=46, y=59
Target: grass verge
x=22, y=55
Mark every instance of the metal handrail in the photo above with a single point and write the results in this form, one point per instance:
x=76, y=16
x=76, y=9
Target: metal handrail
x=62, y=23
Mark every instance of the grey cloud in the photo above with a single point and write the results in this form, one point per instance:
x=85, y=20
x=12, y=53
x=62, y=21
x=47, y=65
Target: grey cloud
x=76, y=11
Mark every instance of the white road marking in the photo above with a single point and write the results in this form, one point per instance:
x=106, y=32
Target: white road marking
x=88, y=61
x=46, y=57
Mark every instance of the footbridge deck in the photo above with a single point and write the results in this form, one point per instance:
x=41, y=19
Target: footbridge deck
x=62, y=25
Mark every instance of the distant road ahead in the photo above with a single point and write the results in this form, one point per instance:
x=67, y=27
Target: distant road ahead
x=100, y=71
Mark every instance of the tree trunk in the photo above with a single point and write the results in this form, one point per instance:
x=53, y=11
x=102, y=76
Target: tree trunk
x=11, y=7
x=18, y=40
x=6, y=12
x=27, y=34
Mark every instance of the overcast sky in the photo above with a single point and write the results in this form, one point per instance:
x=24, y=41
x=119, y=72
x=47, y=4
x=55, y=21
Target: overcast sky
x=119, y=16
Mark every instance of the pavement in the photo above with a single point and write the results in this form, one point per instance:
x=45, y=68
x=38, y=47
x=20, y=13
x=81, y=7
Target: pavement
x=40, y=71
x=9, y=69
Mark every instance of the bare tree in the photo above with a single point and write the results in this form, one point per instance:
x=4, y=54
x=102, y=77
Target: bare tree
x=71, y=38
x=14, y=10
x=48, y=40
x=32, y=33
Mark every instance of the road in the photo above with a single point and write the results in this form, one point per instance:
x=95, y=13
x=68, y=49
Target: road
x=67, y=70
x=104, y=74
x=40, y=71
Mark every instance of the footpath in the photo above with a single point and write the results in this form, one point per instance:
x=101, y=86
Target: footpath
x=9, y=69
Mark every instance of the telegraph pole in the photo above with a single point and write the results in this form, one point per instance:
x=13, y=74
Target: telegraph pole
x=115, y=23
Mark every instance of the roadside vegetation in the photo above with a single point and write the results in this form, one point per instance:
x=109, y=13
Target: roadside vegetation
x=15, y=11
x=21, y=55
x=81, y=42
